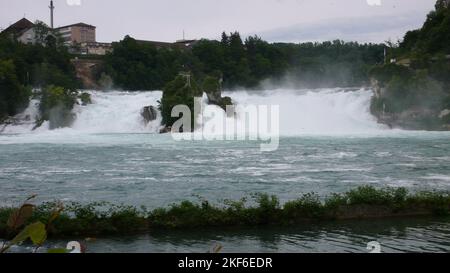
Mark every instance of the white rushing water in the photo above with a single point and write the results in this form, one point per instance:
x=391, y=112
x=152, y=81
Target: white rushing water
x=117, y=112
x=317, y=112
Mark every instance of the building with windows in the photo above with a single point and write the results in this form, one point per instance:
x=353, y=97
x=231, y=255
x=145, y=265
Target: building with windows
x=95, y=48
x=77, y=33
x=22, y=30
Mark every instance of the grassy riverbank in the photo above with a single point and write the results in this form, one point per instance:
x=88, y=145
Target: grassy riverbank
x=361, y=203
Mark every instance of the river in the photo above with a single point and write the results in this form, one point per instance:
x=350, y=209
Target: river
x=329, y=143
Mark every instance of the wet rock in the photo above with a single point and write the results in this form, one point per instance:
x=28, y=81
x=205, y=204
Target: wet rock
x=149, y=113
x=444, y=113
x=181, y=91
x=211, y=86
x=165, y=130
x=85, y=99
x=60, y=117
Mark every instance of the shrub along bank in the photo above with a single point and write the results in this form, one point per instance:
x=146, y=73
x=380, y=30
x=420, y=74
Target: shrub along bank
x=361, y=203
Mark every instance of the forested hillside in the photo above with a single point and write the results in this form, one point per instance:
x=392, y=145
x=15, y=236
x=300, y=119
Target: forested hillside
x=244, y=63
x=414, y=91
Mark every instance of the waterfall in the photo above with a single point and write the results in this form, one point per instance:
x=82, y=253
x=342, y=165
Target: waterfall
x=321, y=112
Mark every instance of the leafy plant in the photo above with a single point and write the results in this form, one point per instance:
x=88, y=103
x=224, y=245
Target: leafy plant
x=35, y=232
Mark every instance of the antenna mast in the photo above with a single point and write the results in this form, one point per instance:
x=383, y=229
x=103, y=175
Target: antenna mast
x=52, y=7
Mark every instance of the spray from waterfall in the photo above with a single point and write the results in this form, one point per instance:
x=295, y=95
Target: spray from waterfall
x=318, y=112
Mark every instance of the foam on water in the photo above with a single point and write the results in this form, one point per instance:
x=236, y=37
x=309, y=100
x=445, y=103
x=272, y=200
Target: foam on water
x=327, y=111
x=317, y=112
x=324, y=112
x=117, y=112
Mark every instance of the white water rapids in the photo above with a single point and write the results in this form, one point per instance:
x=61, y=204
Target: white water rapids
x=317, y=112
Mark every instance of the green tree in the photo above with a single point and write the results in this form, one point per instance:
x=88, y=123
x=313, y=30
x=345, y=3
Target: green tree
x=138, y=65
x=14, y=97
x=56, y=106
x=181, y=91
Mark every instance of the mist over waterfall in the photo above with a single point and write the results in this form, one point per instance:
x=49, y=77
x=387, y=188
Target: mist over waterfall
x=324, y=111
x=117, y=112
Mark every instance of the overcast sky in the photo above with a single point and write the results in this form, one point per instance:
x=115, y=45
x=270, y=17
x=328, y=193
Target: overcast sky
x=273, y=20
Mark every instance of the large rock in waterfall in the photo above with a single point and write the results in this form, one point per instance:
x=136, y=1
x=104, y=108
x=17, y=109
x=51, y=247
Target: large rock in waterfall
x=149, y=113
x=211, y=86
x=56, y=107
x=183, y=90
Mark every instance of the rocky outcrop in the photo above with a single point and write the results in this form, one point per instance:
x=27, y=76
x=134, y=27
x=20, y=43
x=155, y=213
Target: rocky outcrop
x=414, y=119
x=149, y=113
x=220, y=101
x=166, y=130
x=408, y=98
x=445, y=117
x=182, y=91
x=211, y=86
x=88, y=72
x=12, y=121
x=85, y=98
x=444, y=113
x=60, y=117
x=378, y=90
x=56, y=107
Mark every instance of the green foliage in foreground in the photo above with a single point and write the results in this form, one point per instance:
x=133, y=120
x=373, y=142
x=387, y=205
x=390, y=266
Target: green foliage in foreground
x=363, y=202
x=18, y=230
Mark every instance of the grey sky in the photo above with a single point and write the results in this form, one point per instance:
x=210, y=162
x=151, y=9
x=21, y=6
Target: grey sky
x=274, y=20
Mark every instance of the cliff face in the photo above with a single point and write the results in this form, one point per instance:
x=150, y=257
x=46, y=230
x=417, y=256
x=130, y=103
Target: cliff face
x=88, y=72
x=415, y=116
x=415, y=119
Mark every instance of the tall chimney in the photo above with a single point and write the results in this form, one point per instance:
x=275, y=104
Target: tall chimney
x=51, y=13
